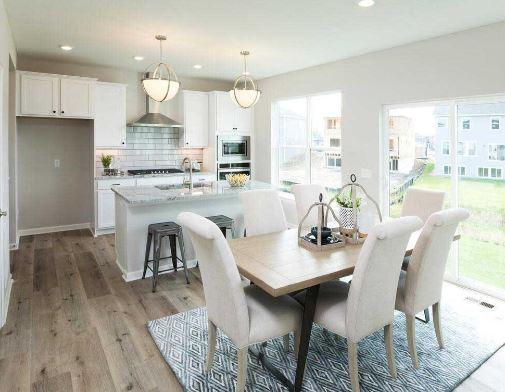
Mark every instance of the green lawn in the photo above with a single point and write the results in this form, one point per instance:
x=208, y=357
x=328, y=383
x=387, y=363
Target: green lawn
x=482, y=246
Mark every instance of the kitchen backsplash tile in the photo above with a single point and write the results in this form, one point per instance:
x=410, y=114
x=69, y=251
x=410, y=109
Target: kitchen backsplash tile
x=149, y=147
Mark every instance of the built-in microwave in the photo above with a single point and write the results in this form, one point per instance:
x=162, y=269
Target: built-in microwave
x=233, y=148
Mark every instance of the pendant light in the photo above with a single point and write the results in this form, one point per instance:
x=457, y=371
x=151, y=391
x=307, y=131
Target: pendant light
x=160, y=83
x=244, y=93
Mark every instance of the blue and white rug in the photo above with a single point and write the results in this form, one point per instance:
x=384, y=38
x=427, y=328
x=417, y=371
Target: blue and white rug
x=471, y=333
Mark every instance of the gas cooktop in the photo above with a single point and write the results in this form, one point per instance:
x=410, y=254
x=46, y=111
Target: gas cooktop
x=153, y=171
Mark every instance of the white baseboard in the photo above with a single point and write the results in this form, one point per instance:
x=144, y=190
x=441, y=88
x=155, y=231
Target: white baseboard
x=7, y=298
x=135, y=275
x=53, y=229
x=99, y=232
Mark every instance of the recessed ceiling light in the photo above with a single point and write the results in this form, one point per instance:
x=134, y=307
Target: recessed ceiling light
x=366, y=3
x=197, y=66
x=66, y=47
x=138, y=58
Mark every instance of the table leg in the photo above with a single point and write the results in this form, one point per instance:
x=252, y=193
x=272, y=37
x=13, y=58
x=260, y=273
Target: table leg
x=308, y=318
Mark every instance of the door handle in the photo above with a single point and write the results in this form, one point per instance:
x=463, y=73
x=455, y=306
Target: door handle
x=3, y=213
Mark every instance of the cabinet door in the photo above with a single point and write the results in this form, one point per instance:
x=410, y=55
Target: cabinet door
x=196, y=119
x=76, y=98
x=109, y=101
x=39, y=95
x=105, y=210
x=243, y=120
x=225, y=116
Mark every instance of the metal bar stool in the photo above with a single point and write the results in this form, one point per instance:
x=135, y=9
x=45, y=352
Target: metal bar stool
x=159, y=231
x=223, y=222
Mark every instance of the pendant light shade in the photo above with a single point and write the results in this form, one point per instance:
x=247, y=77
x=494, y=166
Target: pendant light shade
x=160, y=81
x=245, y=93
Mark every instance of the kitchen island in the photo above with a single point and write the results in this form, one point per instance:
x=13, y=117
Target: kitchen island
x=136, y=207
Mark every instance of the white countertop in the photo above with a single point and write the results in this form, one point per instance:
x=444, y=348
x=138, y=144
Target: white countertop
x=129, y=177
x=146, y=195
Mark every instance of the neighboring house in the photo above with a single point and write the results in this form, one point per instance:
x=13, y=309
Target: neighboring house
x=333, y=140
x=402, y=144
x=481, y=141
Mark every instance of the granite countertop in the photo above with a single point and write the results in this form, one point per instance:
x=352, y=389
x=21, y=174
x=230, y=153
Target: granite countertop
x=148, y=195
x=130, y=177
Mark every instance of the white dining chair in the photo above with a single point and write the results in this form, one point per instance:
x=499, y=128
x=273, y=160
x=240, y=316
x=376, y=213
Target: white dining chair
x=247, y=315
x=356, y=310
x=263, y=212
x=422, y=202
x=421, y=285
x=305, y=196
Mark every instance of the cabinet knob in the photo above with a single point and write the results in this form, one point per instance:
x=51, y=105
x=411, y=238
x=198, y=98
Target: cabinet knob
x=54, y=111
x=187, y=143
x=122, y=142
x=62, y=111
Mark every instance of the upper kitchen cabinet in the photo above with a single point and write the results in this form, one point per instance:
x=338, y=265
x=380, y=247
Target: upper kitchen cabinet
x=47, y=95
x=195, y=119
x=39, y=95
x=76, y=98
x=226, y=117
x=109, y=100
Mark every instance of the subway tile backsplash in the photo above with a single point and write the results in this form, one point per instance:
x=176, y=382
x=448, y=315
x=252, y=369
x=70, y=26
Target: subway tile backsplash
x=148, y=147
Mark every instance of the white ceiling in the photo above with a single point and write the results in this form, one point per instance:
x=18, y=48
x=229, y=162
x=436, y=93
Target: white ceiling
x=282, y=35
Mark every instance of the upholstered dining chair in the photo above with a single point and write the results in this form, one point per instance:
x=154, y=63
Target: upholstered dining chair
x=263, y=212
x=421, y=285
x=356, y=310
x=305, y=196
x=247, y=315
x=422, y=202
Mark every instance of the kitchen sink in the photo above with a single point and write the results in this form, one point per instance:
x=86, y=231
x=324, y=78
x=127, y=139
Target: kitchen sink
x=168, y=187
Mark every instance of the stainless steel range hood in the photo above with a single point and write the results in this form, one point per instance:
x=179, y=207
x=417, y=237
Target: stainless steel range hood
x=153, y=117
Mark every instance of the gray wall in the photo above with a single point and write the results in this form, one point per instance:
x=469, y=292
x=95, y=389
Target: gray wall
x=456, y=65
x=50, y=196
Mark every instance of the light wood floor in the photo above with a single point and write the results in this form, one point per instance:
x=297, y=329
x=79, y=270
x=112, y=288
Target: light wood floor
x=75, y=325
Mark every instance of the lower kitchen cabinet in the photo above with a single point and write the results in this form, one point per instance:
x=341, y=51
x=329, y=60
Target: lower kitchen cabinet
x=105, y=209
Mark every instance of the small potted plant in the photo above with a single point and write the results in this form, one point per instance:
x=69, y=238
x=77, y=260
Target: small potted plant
x=106, y=162
x=347, y=215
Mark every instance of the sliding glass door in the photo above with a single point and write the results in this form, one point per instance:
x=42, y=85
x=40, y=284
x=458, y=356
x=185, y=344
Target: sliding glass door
x=457, y=147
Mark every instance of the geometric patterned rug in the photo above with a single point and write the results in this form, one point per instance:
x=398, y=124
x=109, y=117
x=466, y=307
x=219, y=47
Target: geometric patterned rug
x=470, y=331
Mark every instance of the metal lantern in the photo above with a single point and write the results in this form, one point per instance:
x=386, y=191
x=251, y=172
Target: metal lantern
x=348, y=216
x=316, y=242
x=244, y=92
x=160, y=81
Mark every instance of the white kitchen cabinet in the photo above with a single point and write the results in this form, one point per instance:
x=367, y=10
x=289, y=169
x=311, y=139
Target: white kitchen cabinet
x=39, y=95
x=59, y=96
x=105, y=209
x=109, y=100
x=227, y=118
x=195, y=119
x=76, y=98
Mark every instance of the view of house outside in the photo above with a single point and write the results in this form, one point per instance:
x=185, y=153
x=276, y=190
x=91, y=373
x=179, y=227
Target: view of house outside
x=420, y=156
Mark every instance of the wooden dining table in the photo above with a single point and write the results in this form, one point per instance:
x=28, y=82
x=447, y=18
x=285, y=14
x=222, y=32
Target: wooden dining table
x=277, y=264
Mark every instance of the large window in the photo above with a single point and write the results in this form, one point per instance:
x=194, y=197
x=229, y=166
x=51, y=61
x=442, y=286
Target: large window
x=308, y=137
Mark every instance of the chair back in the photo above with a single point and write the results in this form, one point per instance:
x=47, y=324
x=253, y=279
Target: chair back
x=222, y=286
x=425, y=273
x=263, y=212
x=422, y=202
x=371, y=300
x=305, y=196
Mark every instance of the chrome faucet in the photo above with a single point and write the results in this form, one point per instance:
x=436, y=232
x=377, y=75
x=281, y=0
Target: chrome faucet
x=183, y=166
